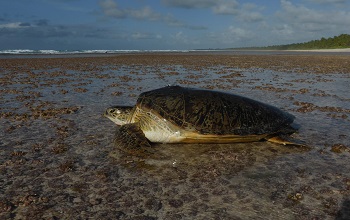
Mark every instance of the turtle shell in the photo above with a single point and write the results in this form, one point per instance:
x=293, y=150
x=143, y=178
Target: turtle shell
x=214, y=112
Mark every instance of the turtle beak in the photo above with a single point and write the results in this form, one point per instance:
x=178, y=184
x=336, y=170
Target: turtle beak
x=104, y=114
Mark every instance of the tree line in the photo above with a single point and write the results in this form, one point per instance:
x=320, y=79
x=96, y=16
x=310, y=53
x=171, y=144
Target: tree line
x=336, y=42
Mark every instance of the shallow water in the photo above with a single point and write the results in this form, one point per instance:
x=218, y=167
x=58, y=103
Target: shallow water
x=57, y=157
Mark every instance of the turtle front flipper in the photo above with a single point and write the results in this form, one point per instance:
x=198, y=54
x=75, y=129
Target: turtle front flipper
x=131, y=136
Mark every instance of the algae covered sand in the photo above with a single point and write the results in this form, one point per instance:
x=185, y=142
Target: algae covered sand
x=58, y=160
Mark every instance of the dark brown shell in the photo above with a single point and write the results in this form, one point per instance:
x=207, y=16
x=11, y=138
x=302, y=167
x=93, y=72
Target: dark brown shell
x=213, y=112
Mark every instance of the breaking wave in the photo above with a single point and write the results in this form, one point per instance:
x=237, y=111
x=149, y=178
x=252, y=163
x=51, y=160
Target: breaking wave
x=27, y=51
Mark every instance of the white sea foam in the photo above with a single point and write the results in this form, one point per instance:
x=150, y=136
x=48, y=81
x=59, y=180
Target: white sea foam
x=21, y=51
x=28, y=51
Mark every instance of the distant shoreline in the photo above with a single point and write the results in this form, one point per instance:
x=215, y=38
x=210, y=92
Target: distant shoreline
x=341, y=50
x=346, y=50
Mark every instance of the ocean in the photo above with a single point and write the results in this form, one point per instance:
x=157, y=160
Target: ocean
x=29, y=53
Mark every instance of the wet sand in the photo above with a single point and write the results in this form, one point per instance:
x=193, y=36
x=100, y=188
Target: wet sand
x=58, y=160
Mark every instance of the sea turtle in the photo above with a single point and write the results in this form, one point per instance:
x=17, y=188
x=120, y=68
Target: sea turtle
x=175, y=114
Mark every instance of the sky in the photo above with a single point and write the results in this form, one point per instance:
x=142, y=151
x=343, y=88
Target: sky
x=167, y=24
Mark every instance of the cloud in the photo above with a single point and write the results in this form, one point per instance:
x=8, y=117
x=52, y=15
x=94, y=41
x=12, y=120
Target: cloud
x=248, y=12
x=232, y=36
x=302, y=17
x=139, y=35
x=283, y=30
x=299, y=14
x=42, y=30
x=111, y=9
x=180, y=38
x=237, y=35
x=41, y=22
x=190, y=4
x=226, y=8
x=294, y=23
x=328, y=1
x=14, y=25
x=146, y=13
x=25, y=24
x=251, y=13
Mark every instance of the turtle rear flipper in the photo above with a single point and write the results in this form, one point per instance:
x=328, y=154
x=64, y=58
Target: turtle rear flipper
x=131, y=136
x=286, y=140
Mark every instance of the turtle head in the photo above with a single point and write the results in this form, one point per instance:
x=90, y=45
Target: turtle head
x=119, y=114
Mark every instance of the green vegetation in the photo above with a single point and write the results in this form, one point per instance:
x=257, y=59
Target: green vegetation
x=337, y=42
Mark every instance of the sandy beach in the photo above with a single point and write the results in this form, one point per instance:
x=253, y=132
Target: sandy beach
x=58, y=159
x=343, y=50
